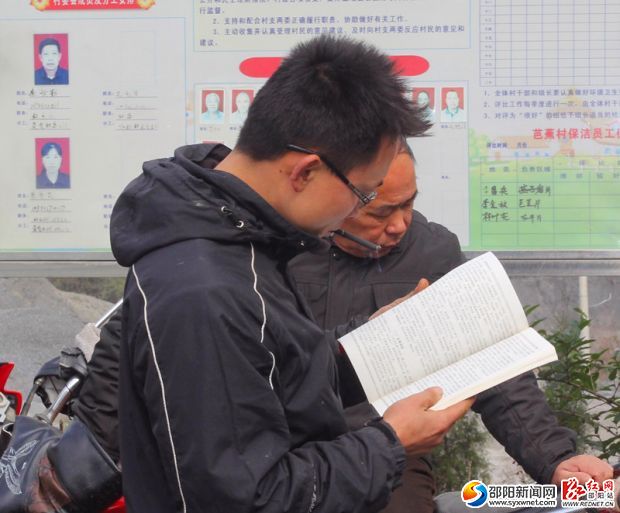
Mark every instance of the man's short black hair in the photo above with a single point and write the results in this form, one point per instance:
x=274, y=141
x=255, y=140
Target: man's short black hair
x=49, y=41
x=47, y=147
x=334, y=95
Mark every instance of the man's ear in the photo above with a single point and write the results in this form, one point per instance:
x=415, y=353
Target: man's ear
x=304, y=171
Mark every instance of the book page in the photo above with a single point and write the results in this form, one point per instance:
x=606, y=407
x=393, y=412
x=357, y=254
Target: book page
x=480, y=371
x=468, y=309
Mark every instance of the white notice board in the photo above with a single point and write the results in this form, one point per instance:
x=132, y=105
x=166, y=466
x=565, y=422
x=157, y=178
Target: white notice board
x=525, y=96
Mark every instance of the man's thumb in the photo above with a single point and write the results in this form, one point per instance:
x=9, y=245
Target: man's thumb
x=430, y=396
x=422, y=284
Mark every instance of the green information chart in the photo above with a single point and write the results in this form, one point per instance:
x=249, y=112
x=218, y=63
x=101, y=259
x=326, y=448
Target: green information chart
x=560, y=202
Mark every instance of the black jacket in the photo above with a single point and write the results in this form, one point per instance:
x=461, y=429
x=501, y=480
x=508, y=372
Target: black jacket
x=228, y=398
x=339, y=285
x=97, y=403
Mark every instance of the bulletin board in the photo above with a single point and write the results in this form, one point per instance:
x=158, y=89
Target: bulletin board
x=524, y=154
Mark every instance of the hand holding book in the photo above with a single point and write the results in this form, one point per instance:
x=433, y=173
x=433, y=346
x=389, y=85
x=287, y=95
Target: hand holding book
x=418, y=427
x=465, y=333
x=422, y=284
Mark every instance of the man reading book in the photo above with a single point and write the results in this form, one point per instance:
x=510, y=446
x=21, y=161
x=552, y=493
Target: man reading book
x=348, y=280
x=228, y=390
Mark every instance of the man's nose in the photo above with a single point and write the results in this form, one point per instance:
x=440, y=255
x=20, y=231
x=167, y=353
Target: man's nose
x=397, y=223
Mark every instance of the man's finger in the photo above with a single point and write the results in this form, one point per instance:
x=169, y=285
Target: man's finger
x=422, y=284
x=456, y=411
x=599, y=472
x=598, y=469
x=430, y=397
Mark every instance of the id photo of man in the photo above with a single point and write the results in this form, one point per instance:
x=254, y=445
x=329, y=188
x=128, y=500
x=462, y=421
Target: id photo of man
x=241, y=100
x=453, y=105
x=51, y=60
x=52, y=163
x=212, y=106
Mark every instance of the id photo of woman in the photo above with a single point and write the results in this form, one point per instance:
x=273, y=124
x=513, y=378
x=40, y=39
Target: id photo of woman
x=52, y=158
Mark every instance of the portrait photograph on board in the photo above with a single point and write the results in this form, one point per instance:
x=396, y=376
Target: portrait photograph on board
x=424, y=97
x=51, y=59
x=453, y=105
x=52, y=163
x=241, y=101
x=212, y=111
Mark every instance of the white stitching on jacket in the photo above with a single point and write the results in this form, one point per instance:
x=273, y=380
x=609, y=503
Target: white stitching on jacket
x=262, y=328
x=163, y=392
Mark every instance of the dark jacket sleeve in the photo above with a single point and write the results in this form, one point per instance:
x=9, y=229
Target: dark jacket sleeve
x=97, y=403
x=233, y=449
x=516, y=413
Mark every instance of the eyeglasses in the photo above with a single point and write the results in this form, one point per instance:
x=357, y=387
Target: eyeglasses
x=364, y=198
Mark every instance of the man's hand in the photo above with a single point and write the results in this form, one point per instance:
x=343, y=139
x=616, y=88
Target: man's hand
x=584, y=467
x=418, y=428
x=422, y=284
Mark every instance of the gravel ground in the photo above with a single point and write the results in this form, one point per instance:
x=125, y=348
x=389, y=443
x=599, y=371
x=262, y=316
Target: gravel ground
x=36, y=321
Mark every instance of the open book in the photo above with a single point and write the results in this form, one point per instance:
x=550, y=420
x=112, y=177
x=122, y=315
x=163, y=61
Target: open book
x=465, y=333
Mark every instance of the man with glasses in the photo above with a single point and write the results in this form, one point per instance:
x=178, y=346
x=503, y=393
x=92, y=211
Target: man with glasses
x=364, y=198
x=228, y=389
x=347, y=280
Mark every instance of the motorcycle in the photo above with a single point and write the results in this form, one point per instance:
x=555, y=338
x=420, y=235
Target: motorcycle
x=10, y=400
x=58, y=383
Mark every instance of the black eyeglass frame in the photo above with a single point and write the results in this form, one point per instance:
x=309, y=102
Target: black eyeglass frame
x=364, y=198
